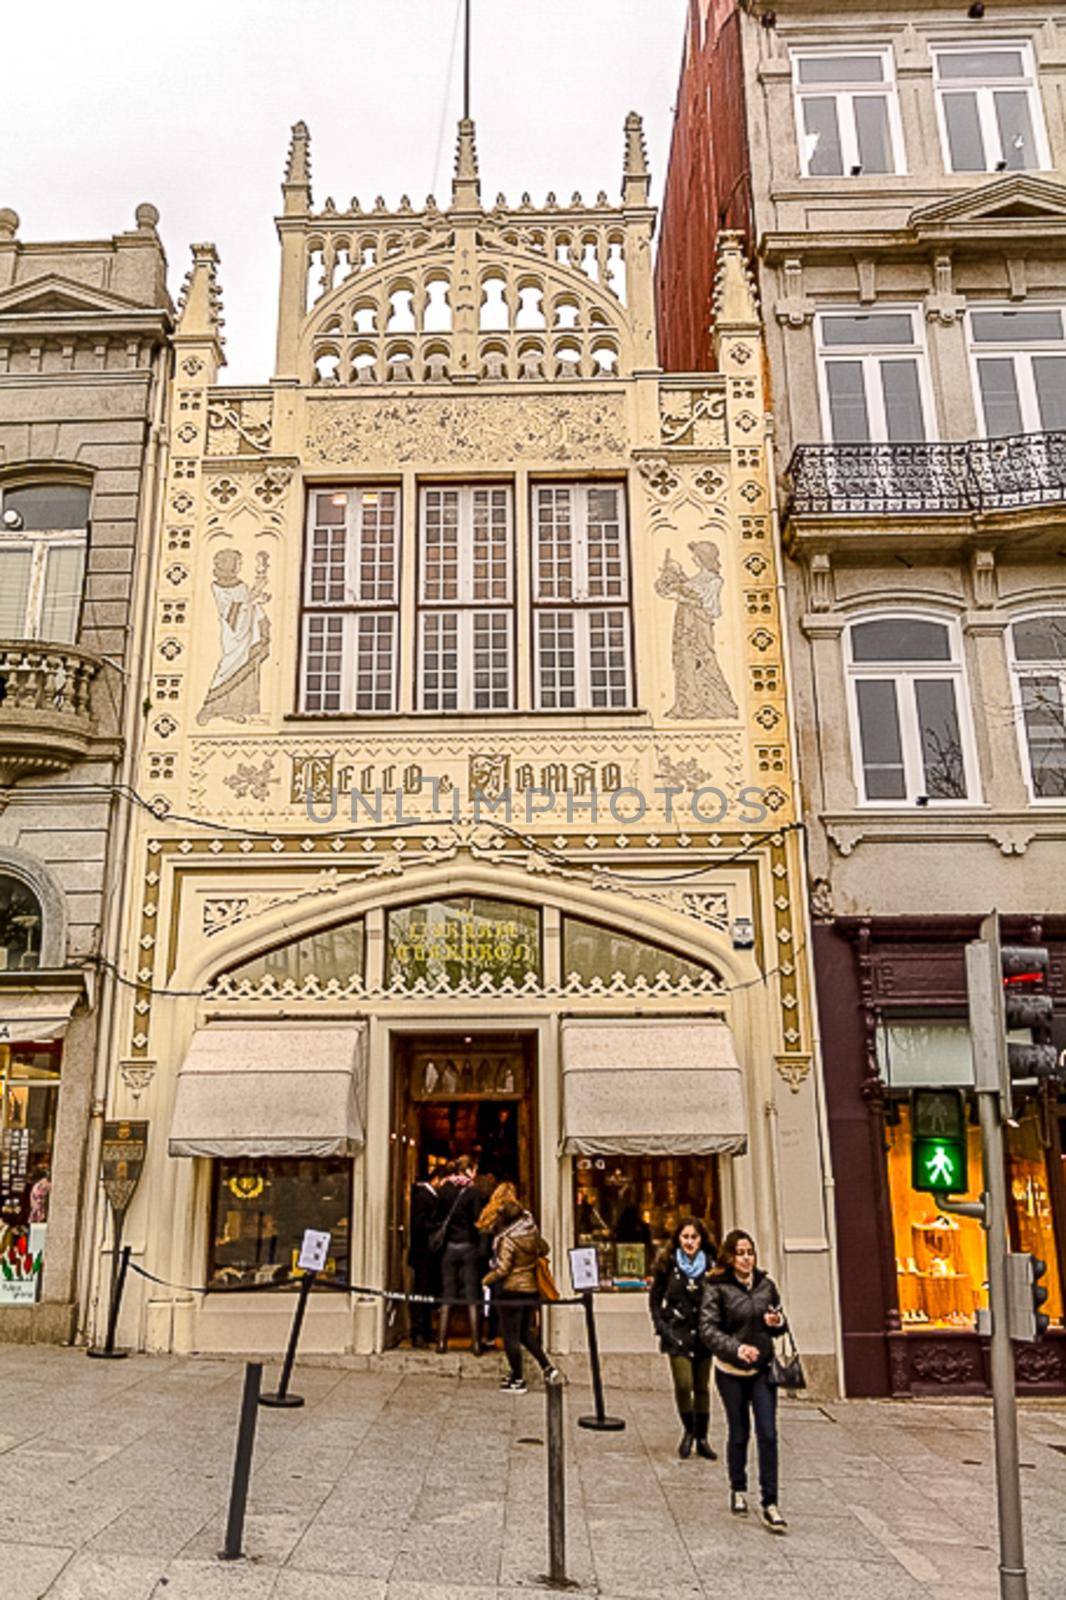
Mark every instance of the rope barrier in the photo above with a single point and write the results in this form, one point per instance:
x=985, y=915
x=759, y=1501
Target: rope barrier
x=362, y=1291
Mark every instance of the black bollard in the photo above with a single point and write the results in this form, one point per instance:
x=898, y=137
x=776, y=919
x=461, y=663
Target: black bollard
x=556, y=1577
x=242, y=1463
x=281, y=1397
x=601, y=1422
x=109, y=1353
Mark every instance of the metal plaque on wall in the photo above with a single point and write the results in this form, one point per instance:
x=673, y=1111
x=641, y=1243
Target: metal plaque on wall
x=122, y=1160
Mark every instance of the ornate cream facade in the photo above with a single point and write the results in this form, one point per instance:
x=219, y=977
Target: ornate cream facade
x=301, y=773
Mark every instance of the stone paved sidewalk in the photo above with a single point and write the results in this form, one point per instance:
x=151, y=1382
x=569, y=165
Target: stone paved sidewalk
x=398, y=1486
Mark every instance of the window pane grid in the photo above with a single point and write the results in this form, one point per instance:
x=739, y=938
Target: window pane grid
x=323, y=663
x=608, y=658
x=910, y=735
x=991, y=111
x=491, y=545
x=352, y=564
x=377, y=548
x=440, y=544
x=555, y=545
x=1020, y=369
x=557, y=683
x=606, y=557
x=491, y=660
x=440, y=660
x=847, y=117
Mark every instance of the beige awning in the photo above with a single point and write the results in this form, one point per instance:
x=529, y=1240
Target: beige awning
x=276, y=1089
x=651, y=1087
x=35, y=1015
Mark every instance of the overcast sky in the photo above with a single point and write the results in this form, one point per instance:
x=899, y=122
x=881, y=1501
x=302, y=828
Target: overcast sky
x=110, y=102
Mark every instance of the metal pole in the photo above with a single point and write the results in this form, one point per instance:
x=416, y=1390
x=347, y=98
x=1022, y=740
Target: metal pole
x=242, y=1462
x=466, y=64
x=553, y=1394
x=1013, y=1582
x=601, y=1422
x=109, y=1353
x=281, y=1397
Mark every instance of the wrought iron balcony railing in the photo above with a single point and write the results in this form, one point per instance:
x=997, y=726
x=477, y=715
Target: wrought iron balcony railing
x=1025, y=469
x=46, y=717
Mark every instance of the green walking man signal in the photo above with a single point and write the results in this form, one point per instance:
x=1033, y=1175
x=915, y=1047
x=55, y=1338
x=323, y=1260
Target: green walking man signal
x=939, y=1152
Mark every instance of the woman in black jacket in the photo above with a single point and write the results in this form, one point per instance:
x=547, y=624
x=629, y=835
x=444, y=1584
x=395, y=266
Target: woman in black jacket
x=676, y=1293
x=739, y=1319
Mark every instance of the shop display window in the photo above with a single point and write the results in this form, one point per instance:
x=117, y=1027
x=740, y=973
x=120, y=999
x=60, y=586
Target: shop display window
x=592, y=952
x=261, y=1209
x=20, y=926
x=334, y=953
x=467, y=940
x=628, y=1206
x=940, y=1259
x=29, y=1101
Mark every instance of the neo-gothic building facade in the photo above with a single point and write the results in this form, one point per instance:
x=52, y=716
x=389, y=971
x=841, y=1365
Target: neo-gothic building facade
x=473, y=817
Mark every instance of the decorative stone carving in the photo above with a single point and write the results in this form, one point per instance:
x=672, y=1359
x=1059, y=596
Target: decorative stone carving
x=695, y=418
x=233, y=693
x=468, y=429
x=137, y=1076
x=700, y=690
x=794, y=1069
x=238, y=427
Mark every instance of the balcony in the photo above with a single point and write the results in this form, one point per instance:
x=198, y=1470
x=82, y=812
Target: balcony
x=46, y=719
x=905, y=481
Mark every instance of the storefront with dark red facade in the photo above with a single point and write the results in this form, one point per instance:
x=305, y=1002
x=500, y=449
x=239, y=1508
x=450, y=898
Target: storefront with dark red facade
x=892, y=998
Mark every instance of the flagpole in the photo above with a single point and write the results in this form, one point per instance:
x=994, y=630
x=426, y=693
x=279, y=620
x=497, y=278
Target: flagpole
x=466, y=64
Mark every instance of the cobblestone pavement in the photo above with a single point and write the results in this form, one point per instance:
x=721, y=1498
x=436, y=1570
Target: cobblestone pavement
x=408, y=1486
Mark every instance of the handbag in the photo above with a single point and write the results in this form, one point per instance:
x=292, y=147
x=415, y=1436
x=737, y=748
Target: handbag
x=547, y=1288
x=787, y=1372
x=439, y=1237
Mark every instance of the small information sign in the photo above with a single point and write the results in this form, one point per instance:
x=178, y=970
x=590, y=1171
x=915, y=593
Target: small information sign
x=122, y=1160
x=584, y=1268
x=314, y=1251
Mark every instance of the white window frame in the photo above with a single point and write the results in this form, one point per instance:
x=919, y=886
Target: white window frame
x=582, y=604
x=985, y=92
x=1033, y=669
x=40, y=543
x=872, y=357
x=355, y=605
x=465, y=607
x=903, y=674
x=849, y=138
x=1020, y=355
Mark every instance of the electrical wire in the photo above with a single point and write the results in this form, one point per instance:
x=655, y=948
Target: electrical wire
x=447, y=96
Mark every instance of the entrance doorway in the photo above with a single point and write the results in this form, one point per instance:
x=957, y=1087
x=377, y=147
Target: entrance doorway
x=454, y=1095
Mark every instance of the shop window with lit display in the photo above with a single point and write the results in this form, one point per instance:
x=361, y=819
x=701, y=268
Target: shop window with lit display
x=262, y=1207
x=628, y=1207
x=468, y=940
x=29, y=1101
x=940, y=1259
x=20, y=926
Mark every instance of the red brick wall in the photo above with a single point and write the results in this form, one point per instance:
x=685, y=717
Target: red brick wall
x=708, y=183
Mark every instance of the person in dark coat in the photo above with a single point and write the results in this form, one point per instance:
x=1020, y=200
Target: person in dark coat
x=423, y=1261
x=675, y=1299
x=461, y=1203
x=740, y=1318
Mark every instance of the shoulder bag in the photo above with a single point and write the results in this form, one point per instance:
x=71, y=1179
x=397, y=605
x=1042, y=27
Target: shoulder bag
x=439, y=1237
x=547, y=1288
x=786, y=1372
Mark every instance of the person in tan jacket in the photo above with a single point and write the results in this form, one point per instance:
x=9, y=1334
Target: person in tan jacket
x=517, y=1247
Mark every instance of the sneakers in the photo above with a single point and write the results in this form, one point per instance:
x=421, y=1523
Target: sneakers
x=773, y=1521
x=514, y=1386
x=738, y=1503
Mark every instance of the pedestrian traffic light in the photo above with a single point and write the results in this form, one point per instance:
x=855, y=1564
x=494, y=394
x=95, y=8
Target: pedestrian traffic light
x=1027, y=1004
x=1025, y=1295
x=939, y=1152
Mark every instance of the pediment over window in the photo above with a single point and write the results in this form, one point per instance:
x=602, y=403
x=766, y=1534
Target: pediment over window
x=1019, y=197
x=54, y=295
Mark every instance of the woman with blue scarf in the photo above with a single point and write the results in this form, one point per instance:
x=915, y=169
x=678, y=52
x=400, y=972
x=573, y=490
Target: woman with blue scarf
x=676, y=1293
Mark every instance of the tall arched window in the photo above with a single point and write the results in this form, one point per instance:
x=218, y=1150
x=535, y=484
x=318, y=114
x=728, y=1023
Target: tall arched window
x=1038, y=657
x=910, y=723
x=21, y=920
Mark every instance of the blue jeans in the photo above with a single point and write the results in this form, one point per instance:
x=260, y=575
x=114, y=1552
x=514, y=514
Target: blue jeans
x=741, y=1397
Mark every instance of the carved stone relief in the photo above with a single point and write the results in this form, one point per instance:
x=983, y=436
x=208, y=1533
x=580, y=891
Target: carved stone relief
x=501, y=429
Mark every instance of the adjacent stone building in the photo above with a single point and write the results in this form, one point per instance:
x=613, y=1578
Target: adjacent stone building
x=901, y=187
x=474, y=825
x=83, y=374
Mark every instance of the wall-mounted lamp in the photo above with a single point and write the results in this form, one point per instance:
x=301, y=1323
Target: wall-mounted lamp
x=976, y=11
x=768, y=19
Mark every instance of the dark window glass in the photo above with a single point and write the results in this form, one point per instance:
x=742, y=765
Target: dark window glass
x=871, y=130
x=20, y=926
x=965, y=144
x=900, y=639
x=1041, y=638
x=822, y=128
x=1015, y=122
x=903, y=402
x=628, y=1207
x=1045, y=732
x=882, y=748
x=873, y=328
x=848, y=415
x=44, y=506
x=999, y=396
x=938, y=730
x=262, y=1207
x=333, y=953
x=1015, y=327
x=591, y=952
x=1049, y=376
